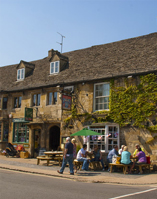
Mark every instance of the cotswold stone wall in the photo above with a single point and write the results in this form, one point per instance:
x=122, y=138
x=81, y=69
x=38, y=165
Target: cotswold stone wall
x=130, y=136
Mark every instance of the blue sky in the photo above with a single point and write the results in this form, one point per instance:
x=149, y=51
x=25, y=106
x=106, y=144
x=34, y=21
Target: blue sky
x=28, y=28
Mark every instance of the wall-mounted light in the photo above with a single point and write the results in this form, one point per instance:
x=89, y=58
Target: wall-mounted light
x=130, y=76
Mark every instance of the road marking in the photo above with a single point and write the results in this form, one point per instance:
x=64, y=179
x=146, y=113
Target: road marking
x=134, y=193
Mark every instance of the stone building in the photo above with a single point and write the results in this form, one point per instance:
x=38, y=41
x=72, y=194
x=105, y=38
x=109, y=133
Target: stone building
x=43, y=101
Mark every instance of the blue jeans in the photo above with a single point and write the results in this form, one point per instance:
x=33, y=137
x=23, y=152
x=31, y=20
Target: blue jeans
x=69, y=159
x=97, y=159
x=85, y=163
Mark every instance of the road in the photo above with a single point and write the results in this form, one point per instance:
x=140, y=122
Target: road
x=16, y=185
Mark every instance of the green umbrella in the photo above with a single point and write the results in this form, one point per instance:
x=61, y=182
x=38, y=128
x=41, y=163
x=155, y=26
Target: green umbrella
x=85, y=132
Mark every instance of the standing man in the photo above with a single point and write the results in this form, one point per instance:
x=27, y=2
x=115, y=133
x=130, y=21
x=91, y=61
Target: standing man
x=82, y=157
x=67, y=157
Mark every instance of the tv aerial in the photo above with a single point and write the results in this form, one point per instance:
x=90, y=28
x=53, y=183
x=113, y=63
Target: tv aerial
x=61, y=40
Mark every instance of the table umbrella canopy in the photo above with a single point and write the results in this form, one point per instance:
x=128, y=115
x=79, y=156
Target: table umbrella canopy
x=85, y=132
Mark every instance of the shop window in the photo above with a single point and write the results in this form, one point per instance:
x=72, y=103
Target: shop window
x=0, y=131
x=5, y=131
x=17, y=102
x=51, y=98
x=109, y=136
x=101, y=96
x=36, y=100
x=20, y=133
x=5, y=101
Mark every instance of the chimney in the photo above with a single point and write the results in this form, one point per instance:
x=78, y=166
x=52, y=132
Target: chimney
x=50, y=53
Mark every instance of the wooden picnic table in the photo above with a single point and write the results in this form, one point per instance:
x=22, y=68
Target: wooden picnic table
x=51, y=155
x=55, y=155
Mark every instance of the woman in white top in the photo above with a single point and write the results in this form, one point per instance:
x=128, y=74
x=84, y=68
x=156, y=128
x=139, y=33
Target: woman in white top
x=121, y=150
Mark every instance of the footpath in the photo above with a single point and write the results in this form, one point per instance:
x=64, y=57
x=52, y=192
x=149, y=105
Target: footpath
x=29, y=165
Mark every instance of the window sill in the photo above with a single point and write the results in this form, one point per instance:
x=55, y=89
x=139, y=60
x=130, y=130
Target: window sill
x=53, y=74
x=51, y=105
x=19, y=80
x=16, y=108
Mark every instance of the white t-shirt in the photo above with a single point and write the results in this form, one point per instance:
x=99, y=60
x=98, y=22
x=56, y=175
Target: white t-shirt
x=120, y=151
x=80, y=152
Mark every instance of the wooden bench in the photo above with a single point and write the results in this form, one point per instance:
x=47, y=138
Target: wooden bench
x=125, y=167
x=96, y=165
x=43, y=158
x=59, y=159
x=78, y=164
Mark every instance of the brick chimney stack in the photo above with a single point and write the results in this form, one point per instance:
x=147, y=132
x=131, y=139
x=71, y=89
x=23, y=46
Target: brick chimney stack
x=50, y=53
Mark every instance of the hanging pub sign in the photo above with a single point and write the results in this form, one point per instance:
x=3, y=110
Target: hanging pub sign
x=66, y=102
x=28, y=114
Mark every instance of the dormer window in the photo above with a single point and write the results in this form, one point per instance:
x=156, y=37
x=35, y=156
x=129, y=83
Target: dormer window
x=54, y=67
x=20, y=74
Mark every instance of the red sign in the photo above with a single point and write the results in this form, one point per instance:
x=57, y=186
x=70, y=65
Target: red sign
x=66, y=102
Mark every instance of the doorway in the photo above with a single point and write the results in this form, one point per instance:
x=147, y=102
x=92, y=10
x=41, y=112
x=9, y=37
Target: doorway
x=54, y=138
x=37, y=136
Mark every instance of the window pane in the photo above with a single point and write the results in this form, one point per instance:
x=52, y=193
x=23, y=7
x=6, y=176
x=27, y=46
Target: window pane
x=22, y=73
x=106, y=106
x=38, y=100
x=55, y=97
x=101, y=100
x=52, y=67
x=50, y=99
x=56, y=67
x=5, y=100
x=18, y=74
x=20, y=99
x=34, y=100
x=15, y=102
x=97, y=107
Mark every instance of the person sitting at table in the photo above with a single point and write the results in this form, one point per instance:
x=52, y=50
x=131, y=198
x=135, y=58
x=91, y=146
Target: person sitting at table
x=121, y=150
x=136, y=150
x=125, y=158
x=113, y=152
x=97, y=156
x=82, y=157
x=141, y=158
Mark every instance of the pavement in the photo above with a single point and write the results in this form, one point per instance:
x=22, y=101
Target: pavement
x=29, y=165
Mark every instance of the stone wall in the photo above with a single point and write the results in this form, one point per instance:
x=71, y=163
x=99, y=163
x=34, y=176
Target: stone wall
x=130, y=136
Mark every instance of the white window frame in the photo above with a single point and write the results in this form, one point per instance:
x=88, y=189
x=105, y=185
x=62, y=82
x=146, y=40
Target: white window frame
x=54, y=98
x=106, y=137
x=17, y=98
x=36, y=99
x=22, y=72
x=54, y=72
x=94, y=104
